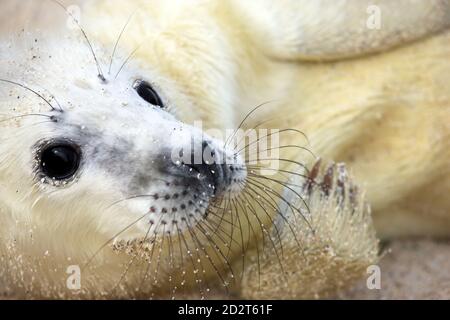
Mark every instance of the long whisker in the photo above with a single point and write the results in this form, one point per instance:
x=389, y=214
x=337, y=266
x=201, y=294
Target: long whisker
x=113, y=237
x=244, y=247
x=26, y=115
x=254, y=128
x=183, y=272
x=35, y=124
x=245, y=119
x=118, y=40
x=52, y=96
x=161, y=248
x=264, y=188
x=225, y=208
x=215, y=229
x=284, y=160
x=281, y=214
x=231, y=231
x=132, y=53
x=191, y=258
x=218, y=252
x=270, y=218
x=99, y=68
x=282, y=172
x=31, y=90
x=153, y=241
x=131, y=261
x=265, y=231
x=211, y=262
x=271, y=134
x=210, y=212
x=286, y=147
x=207, y=235
x=285, y=185
x=171, y=263
x=244, y=209
x=131, y=198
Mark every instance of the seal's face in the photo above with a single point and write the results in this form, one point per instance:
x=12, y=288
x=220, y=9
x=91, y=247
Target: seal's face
x=133, y=151
x=103, y=160
x=150, y=164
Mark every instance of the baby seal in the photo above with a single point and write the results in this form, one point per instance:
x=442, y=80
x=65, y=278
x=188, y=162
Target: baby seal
x=108, y=188
x=100, y=158
x=103, y=193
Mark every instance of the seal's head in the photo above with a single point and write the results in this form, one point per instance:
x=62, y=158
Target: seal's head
x=103, y=160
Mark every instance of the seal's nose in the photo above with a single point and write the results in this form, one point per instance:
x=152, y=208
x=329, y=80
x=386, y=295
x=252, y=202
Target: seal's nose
x=210, y=168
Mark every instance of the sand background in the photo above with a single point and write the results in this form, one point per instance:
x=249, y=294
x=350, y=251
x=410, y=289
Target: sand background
x=410, y=269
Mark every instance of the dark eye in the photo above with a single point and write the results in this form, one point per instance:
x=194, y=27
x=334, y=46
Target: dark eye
x=60, y=161
x=146, y=92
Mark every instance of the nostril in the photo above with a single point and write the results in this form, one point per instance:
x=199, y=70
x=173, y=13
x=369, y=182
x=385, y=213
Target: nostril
x=208, y=168
x=193, y=168
x=208, y=155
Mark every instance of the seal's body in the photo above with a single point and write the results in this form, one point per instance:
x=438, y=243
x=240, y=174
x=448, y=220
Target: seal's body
x=383, y=113
x=95, y=185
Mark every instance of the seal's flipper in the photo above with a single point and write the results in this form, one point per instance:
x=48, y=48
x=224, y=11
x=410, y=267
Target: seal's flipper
x=335, y=29
x=325, y=245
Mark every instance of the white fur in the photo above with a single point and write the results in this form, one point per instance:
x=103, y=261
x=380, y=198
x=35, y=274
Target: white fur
x=216, y=61
x=122, y=139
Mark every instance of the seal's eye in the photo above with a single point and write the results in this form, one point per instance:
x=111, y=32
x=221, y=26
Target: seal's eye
x=60, y=161
x=145, y=90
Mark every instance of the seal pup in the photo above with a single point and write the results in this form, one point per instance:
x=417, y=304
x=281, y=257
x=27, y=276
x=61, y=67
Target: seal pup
x=206, y=84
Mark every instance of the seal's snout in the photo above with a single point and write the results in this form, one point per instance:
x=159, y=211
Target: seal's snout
x=213, y=168
x=217, y=176
x=210, y=169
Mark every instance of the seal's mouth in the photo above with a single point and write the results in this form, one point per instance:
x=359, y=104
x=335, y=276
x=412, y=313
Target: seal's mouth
x=189, y=218
x=181, y=198
x=188, y=200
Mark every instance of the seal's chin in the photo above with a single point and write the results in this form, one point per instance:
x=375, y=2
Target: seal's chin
x=181, y=218
x=179, y=205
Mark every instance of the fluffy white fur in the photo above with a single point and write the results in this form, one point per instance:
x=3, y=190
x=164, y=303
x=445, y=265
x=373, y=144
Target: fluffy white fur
x=383, y=114
x=46, y=225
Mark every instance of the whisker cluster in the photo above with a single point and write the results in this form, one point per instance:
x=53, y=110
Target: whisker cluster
x=208, y=254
